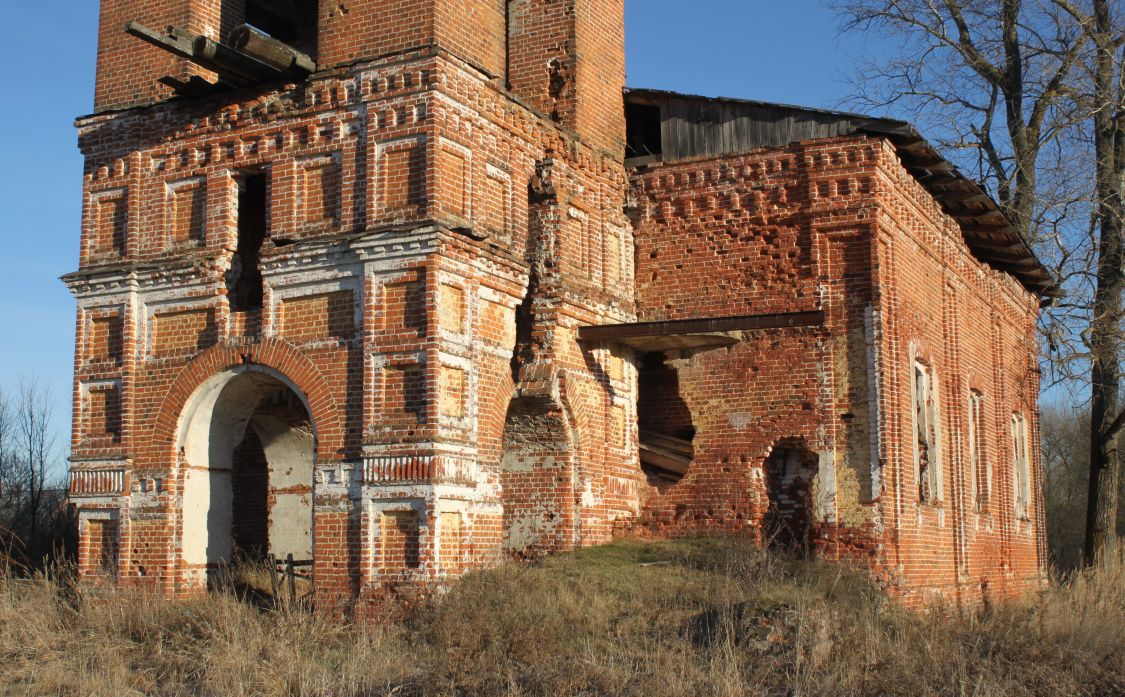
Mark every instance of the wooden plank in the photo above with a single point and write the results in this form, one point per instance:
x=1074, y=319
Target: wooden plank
x=702, y=326
x=664, y=460
x=677, y=445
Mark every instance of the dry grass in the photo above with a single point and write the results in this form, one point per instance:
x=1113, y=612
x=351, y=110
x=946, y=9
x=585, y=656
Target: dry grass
x=700, y=617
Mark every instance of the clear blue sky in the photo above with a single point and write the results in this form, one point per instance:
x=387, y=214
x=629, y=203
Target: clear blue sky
x=756, y=49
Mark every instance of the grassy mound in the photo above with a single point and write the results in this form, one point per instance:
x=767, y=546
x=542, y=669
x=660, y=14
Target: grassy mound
x=693, y=617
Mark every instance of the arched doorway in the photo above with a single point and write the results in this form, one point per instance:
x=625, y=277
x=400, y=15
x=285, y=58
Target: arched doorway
x=247, y=448
x=791, y=472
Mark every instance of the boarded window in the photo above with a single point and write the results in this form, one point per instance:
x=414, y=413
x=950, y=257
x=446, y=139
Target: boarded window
x=979, y=475
x=1021, y=467
x=927, y=459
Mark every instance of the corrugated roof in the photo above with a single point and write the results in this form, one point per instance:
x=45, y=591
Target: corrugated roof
x=695, y=126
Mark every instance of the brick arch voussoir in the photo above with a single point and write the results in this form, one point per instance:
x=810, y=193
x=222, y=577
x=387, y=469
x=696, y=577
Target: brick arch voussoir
x=274, y=354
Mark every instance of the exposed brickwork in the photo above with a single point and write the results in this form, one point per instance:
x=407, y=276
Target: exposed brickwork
x=444, y=206
x=183, y=333
x=839, y=226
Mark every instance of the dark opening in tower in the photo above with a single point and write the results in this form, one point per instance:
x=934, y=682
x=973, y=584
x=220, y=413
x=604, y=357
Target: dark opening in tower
x=666, y=428
x=244, y=281
x=293, y=22
x=250, y=508
x=643, y=135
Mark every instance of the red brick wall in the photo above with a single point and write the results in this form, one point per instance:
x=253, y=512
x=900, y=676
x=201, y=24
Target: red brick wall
x=839, y=226
x=433, y=247
x=412, y=350
x=128, y=69
x=567, y=61
x=976, y=329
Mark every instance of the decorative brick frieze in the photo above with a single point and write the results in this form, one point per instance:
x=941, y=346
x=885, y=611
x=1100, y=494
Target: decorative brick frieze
x=96, y=482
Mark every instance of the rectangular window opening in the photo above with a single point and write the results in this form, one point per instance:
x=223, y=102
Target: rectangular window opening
x=642, y=131
x=245, y=278
x=1021, y=467
x=665, y=422
x=979, y=476
x=927, y=464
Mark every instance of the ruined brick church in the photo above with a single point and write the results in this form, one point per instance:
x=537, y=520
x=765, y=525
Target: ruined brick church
x=401, y=288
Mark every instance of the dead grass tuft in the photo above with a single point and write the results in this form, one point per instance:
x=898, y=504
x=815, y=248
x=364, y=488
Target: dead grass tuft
x=691, y=617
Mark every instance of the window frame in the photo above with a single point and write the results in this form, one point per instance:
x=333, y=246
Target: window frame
x=1021, y=467
x=979, y=464
x=925, y=392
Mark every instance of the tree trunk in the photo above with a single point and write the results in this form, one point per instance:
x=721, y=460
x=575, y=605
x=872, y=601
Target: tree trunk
x=1109, y=140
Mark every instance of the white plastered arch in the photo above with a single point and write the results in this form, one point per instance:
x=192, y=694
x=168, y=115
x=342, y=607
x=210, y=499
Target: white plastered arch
x=212, y=424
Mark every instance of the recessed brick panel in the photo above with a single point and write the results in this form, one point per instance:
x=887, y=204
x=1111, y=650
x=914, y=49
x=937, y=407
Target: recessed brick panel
x=404, y=395
x=105, y=340
x=452, y=311
x=453, y=392
x=103, y=414
x=400, y=543
x=183, y=333
x=402, y=179
x=101, y=548
x=111, y=221
x=451, y=543
x=321, y=316
x=404, y=307
x=188, y=214
x=455, y=177
x=320, y=193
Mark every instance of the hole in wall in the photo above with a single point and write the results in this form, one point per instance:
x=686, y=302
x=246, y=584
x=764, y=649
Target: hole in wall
x=791, y=471
x=244, y=281
x=665, y=422
x=642, y=131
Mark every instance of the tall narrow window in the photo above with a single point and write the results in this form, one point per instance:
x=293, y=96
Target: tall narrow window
x=245, y=278
x=1020, y=466
x=980, y=477
x=927, y=462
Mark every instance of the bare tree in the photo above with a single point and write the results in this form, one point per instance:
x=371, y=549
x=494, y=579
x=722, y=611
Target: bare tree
x=1028, y=94
x=1103, y=99
x=1066, y=458
x=34, y=520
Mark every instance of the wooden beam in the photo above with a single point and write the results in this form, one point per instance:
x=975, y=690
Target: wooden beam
x=702, y=326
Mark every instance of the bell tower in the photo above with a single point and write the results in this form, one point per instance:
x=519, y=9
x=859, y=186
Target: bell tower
x=334, y=259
